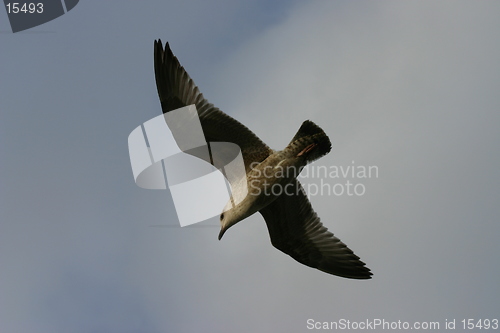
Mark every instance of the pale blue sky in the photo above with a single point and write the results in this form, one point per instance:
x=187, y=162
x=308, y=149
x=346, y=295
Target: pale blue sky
x=411, y=87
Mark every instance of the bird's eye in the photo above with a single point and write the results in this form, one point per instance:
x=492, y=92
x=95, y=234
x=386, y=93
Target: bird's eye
x=222, y=216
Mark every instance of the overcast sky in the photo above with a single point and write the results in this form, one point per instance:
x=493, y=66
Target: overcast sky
x=409, y=87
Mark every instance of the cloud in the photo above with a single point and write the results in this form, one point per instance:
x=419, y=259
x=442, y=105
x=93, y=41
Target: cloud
x=406, y=87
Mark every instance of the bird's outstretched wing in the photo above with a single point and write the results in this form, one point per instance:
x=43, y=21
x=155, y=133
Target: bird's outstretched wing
x=176, y=89
x=296, y=230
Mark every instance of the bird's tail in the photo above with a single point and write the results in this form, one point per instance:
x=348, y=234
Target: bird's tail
x=310, y=141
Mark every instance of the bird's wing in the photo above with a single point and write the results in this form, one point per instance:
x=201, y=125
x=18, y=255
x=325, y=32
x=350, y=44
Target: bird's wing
x=296, y=230
x=176, y=89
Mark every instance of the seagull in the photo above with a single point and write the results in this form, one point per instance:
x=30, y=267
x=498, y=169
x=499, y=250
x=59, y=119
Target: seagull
x=293, y=225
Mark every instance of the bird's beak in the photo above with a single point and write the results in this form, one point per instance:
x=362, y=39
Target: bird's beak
x=222, y=231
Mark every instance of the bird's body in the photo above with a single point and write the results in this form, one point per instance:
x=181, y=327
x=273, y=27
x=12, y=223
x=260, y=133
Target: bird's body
x=271, y=178
x=273, y=189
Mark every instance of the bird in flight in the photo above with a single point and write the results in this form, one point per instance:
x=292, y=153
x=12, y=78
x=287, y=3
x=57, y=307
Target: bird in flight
x=294, y=227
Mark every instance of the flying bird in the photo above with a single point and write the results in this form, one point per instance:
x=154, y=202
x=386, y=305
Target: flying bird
x=294, y=227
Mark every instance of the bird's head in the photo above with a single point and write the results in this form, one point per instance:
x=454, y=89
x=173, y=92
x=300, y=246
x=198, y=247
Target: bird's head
x=228, y=218
x=234, y=213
